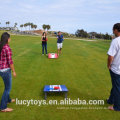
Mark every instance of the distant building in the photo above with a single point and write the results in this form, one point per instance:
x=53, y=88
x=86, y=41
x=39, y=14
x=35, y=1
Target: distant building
x=8, y=28
x=92, y=35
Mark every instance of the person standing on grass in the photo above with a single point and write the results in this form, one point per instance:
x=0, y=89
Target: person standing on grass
x=6, y=65
x=59, y=42
x=44, y=43
x=114, y=68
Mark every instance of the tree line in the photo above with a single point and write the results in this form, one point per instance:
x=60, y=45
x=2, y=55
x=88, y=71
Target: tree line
x=93, y=35
x=8, y=23
x=30, y=25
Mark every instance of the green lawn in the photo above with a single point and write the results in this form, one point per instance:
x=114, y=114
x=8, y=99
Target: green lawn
x=81, y=67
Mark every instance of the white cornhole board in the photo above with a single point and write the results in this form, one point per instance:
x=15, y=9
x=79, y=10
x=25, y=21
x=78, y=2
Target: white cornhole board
x=52, y=55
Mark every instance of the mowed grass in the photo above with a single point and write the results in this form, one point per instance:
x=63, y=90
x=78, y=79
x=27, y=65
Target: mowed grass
x=81, y=67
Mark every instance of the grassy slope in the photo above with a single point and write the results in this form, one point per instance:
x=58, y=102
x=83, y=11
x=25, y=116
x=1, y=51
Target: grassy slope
x=82, y=68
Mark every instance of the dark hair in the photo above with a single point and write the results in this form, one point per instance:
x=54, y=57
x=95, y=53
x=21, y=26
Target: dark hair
x=59, y=32
x=4, y=40
x=44, y=33
x=117, y=27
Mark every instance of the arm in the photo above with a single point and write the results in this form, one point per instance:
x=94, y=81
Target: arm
x=114, y=47
x=42, y=39
x=110, y=60
x=10, y=61
x=55, y=34
x=63, y=38
x=13, y=69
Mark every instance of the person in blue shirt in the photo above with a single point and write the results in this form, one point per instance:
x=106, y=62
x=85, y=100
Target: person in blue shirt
x=60, y=40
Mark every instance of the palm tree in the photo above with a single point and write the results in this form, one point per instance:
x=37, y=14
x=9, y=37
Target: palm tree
x=32, y=25
x=15, y=25
x=25, y=25
x=8, y=23
x=21, y=26
x=44, y=26
x=29, y=24
x=48, y=27
x=35, y=26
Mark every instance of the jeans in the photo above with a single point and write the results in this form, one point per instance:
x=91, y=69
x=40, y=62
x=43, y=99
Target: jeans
x=44, y=46
x=115, y=91
x=7, y=79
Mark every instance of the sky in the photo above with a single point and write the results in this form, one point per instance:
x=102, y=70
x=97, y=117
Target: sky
x=63, y=15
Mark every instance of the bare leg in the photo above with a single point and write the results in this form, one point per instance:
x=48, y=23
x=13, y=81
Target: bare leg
x=58, y=52
x=12, y=101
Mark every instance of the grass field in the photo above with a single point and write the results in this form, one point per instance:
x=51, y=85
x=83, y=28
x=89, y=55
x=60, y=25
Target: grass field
x=81, y=67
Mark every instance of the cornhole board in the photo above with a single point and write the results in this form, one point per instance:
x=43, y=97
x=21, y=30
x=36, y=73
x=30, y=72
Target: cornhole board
x=52, y=55
x=55, y=89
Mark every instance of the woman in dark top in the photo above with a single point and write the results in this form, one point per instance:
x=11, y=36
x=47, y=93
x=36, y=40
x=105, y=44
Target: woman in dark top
x=44, y=43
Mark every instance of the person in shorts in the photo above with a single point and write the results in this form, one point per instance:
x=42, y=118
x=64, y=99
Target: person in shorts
x=60, y=39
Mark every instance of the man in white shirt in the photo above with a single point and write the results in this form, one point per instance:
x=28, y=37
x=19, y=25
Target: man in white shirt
x=114, y=67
